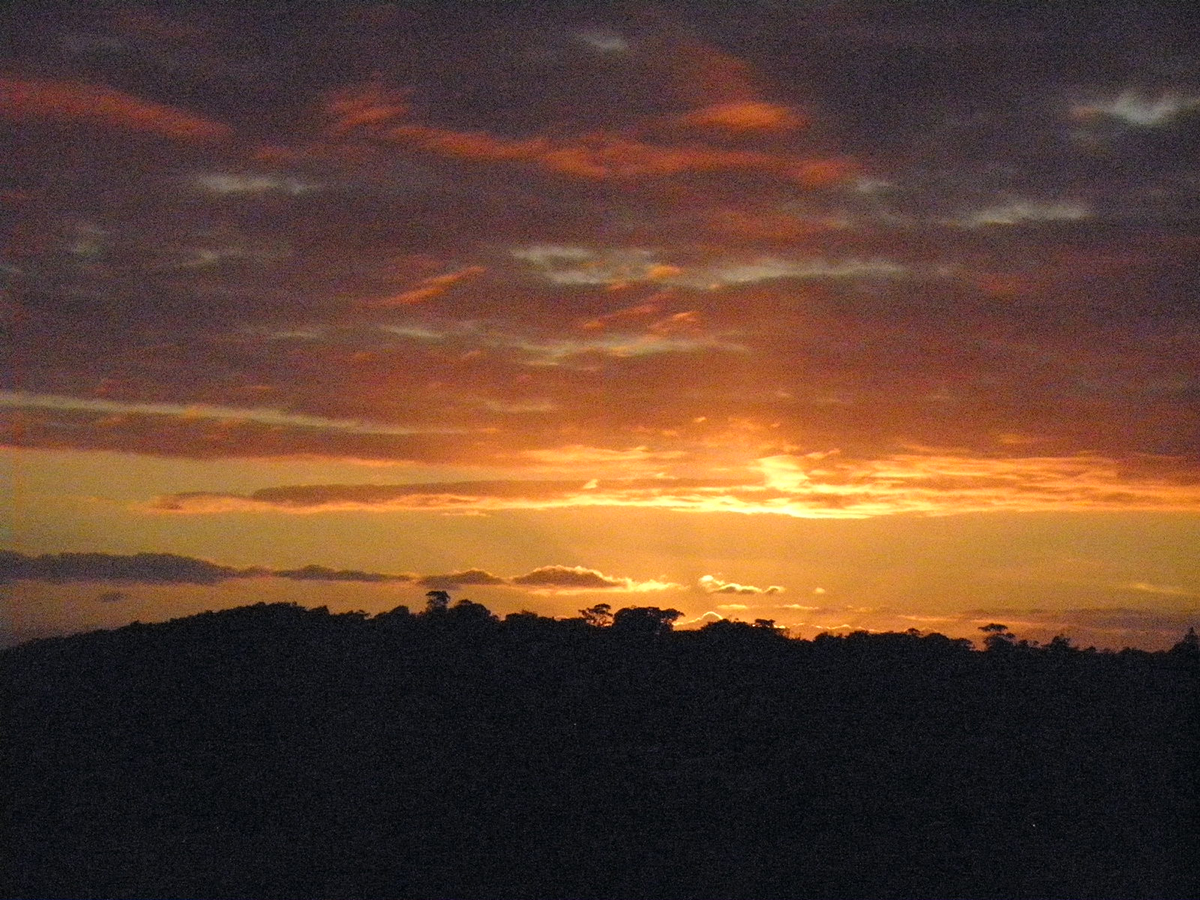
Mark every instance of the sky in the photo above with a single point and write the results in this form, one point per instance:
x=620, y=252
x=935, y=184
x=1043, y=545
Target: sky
x=844, y=314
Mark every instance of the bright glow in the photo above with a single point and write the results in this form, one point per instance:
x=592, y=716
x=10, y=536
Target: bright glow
x=818, y=486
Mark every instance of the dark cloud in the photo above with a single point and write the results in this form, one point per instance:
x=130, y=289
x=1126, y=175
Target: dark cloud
x=160, y=568
x=453, y=580
x=324, y=573
x=149, y=568
x=433, y=495
x=568, y=577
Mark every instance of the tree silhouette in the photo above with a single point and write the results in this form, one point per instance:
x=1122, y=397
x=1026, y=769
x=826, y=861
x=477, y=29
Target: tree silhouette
x=644, y=620
x=1060, y=645
x=1189, y=646
x=437, y=601
x=598, y=616
x=470, y=611
x=999, y=638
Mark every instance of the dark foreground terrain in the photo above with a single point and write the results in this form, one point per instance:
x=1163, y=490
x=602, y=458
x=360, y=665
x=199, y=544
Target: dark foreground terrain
x=273, y=751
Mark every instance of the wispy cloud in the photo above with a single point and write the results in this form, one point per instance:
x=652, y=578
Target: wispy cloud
x=603, y=157
x=572, y=265
x=428, y=288
x=370, y=113
x=232, y=184
x=200, y=411
x=78, y=102
x=1138, y=109
x=746, y=116
x=713, y=585
x=1160, y=590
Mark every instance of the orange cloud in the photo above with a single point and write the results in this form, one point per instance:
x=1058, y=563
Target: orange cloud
x=600, y=156
x=363, y=107
x=429, y=288
x=377, y=113
x=746, y=116
x=629, y=313
x=76, y=101
x=677, y=323
x=699, y=73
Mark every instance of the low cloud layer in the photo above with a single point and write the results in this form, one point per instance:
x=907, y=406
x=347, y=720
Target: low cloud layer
x=169, y=568
x=146, y=568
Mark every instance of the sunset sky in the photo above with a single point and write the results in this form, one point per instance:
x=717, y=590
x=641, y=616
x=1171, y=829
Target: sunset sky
x=845, y=314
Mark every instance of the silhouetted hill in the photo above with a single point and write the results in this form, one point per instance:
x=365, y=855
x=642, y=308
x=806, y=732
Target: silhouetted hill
x=275, y=751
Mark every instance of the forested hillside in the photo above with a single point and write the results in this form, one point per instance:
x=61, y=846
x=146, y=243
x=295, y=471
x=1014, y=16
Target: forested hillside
x=275, y=751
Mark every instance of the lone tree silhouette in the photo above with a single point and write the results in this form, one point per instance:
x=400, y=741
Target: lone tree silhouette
x=598, y=616
x=999, y=638
x=1189, y=646
x=437, y=601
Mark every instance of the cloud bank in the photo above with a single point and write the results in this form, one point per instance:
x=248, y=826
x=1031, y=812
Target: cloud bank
x=169, y=568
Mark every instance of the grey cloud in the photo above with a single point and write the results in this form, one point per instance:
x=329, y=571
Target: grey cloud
x=324, y=573
x=436, y=494
x=160, y=568
x=453, y=580
x=167, y=568
x=150, y=568
x=568, y=577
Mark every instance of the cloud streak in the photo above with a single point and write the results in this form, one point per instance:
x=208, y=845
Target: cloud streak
x=806, y=486
x=594, y=156
x=32, y=100
x=203, y=411
x=710, y=584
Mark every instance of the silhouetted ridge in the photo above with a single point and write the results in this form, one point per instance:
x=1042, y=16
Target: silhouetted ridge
x=278, y=751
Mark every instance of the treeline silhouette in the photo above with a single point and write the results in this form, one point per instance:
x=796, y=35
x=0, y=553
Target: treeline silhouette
x=275, y=751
